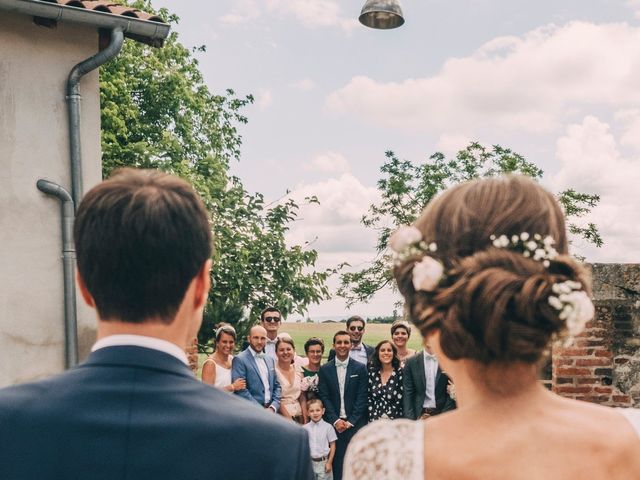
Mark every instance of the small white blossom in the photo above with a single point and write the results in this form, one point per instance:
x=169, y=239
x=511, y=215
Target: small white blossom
x=515, y=239
x=555, y=302
x=531, y=245
x=427, y=274
x=524, y=236
x=574, y=305
x=404, y=237
x=433, y=247
x=537, y=236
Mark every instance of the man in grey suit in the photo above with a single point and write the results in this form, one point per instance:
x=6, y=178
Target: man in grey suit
x=259, y=372
x=134, y=409
x=425, y=387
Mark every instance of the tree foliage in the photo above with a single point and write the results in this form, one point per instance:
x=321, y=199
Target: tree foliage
x=157, y=112
x=406, y=187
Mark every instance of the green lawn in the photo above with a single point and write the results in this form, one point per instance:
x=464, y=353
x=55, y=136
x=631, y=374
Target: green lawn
x=300, y=332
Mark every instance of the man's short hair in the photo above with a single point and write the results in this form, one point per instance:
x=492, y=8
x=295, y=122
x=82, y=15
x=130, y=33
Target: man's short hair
x=141, y=237
x=355, y=318
x=340, y=333
x=269, y=310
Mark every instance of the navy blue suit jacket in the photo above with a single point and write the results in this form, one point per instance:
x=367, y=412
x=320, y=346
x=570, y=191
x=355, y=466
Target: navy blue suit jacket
x=355, y=392
x=244, y=366
x=136, y=413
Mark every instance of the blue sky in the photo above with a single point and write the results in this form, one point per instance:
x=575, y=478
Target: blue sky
x=558, y=82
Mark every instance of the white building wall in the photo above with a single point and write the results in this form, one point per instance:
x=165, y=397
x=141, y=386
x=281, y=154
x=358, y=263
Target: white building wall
x=34, y=64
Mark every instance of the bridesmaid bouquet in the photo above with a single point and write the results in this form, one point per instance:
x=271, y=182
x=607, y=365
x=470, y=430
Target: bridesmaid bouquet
x=309, y=384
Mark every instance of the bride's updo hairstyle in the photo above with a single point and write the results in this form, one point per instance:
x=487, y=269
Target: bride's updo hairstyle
x=491, y=304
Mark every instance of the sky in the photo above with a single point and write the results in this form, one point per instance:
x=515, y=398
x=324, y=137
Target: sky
x=557, y=82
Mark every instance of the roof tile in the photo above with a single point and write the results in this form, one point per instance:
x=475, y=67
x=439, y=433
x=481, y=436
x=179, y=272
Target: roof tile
x=106, y=6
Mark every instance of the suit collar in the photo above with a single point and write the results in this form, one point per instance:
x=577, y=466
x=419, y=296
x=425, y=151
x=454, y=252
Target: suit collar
x=142, y=341
x=136, y=356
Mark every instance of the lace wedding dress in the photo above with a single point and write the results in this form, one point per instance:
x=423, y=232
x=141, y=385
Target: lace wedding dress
x=393, y=449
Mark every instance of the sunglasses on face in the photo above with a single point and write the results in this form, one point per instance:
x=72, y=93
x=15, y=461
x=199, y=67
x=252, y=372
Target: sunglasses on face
x=354, y=328
x=271, y=319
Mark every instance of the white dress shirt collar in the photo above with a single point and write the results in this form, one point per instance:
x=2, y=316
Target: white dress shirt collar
x=142, y=341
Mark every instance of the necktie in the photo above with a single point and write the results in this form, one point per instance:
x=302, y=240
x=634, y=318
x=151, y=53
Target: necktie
x=340, y=364
x=260, y=355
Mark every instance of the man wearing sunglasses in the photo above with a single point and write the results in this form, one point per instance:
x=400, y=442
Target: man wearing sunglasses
x=270, y=319
x=360, y=352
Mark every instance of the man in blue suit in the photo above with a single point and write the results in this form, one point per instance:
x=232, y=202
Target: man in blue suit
x=342, y=387
x=134, y=409
x=258, y=370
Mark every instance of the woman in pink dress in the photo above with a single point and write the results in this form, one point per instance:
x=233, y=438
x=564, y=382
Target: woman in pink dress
x=290, y=377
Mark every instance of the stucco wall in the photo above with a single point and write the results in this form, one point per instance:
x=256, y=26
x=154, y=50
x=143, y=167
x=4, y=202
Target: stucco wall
x=34, y=64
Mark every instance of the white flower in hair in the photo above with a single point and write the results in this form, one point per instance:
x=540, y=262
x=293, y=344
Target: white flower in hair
x=403, y=238
x=574, y=305
x=427, y=274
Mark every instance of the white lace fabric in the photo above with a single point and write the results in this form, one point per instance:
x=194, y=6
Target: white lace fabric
x=386, y=450
x=394, y=449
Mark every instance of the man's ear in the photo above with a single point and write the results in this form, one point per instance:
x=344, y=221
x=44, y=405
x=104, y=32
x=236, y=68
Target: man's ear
x=86, y=296
x=202, y=285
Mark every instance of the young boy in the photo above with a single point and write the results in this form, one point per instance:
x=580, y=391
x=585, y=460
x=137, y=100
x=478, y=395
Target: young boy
x=322, y=440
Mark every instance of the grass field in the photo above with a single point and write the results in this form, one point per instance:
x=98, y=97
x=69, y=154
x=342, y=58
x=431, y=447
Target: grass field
x=300, y=332
x=374, y=333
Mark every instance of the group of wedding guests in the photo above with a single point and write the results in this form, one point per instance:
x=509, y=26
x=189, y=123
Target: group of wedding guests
x=358, y=384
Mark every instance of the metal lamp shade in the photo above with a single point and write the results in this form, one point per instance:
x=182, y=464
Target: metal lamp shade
x=382, y=14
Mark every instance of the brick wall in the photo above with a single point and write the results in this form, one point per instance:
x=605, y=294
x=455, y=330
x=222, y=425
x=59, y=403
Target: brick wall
x=603, y=364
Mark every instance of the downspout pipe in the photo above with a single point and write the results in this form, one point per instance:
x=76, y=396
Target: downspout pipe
x=68, y=264
x=73, y=106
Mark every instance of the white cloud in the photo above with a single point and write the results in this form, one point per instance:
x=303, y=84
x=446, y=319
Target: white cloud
x=452, y=143
x=329, y=162
x=635, y=6
x=591, y=163
x=630, y=120
x=305, y=84
x=532, y=83
x=335, y=223
x=264, y=98
x=316, y=13
x=309, y=13
x=243, y=12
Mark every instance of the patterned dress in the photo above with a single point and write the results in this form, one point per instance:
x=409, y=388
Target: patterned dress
x=385, y=401
x=309, y=383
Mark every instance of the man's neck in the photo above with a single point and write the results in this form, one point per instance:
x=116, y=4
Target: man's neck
x=272, y=335
x=154, y=329
x=346, y=357
x=355, y=345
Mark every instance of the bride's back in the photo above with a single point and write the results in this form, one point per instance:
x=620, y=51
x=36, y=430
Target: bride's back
x=555, y=439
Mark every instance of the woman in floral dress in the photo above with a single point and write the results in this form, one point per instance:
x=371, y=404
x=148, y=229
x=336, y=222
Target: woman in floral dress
x=385, y=383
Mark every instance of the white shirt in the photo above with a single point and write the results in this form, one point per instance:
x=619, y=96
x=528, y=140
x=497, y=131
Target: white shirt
x=359, y=354
x=142, y=341
x=430, y=371
x=270, y=348
x=342, y=376
x=320, y=435
x=264, y=375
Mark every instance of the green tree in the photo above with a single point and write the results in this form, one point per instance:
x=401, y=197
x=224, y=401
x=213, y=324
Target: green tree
x=157, y=112
x=406, y=187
